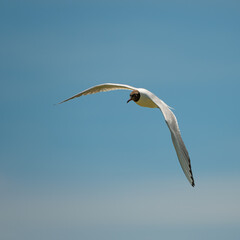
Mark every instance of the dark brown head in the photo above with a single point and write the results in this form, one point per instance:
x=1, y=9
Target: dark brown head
x=134, y=95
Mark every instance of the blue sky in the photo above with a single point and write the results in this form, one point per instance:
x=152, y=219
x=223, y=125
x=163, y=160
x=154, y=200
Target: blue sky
x=95, y=167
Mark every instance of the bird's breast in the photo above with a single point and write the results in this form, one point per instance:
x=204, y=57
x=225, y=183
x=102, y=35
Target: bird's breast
x=145, y=100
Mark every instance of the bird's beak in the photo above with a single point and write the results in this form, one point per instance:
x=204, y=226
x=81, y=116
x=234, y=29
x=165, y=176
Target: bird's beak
x=129, y=100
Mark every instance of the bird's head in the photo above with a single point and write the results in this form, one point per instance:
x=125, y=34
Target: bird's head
x=134, y=95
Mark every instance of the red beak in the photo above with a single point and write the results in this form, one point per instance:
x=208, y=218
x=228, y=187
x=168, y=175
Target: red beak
x=129, y=100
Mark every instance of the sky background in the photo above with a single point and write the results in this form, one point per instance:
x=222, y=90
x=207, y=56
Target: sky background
x=95, y=167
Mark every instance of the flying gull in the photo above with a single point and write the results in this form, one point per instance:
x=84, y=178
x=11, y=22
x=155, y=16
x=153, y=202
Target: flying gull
x=145, y=98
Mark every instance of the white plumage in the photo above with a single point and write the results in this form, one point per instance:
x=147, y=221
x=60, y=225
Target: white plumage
x=145, y=98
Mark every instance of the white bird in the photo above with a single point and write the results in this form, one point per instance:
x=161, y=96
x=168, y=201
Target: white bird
x=145, y=98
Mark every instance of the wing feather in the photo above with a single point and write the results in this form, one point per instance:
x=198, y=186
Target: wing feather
x=101, y=88
x=178, y=143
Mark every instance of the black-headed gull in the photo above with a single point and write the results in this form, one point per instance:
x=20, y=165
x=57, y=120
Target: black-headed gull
x=145, y=98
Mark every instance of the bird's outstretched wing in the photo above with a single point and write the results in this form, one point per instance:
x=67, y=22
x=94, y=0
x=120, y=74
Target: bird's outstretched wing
x=178, y=143
x=101, y=88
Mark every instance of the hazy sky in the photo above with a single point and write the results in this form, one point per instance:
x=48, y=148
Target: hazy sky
x=96, y=167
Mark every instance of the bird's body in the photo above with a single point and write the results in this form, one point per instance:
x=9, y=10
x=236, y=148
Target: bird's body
x=145, y=98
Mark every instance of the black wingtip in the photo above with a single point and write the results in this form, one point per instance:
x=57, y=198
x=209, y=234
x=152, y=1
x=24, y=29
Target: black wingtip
x=193, y=183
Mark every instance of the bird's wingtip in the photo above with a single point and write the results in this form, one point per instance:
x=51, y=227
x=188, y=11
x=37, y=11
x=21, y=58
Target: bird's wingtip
x=62, y=101
x=193, y=184
x=55, y=104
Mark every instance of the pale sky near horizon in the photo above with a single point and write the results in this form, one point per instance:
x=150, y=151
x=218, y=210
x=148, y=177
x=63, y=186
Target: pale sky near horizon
x=96, y=167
